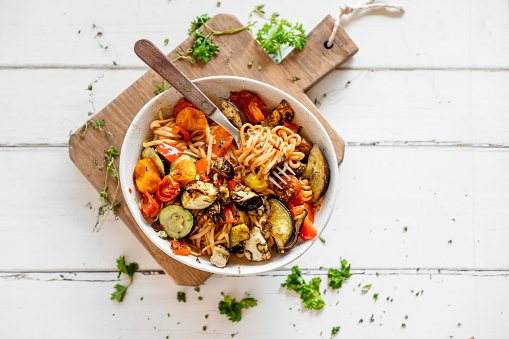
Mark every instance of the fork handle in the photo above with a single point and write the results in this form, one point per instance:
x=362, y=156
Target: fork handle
x=156, y=60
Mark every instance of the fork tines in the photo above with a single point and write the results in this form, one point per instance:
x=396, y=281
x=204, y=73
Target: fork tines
x=283, y=173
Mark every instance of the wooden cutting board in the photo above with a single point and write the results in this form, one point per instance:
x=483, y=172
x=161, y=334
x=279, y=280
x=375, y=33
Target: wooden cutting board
x=236, y=50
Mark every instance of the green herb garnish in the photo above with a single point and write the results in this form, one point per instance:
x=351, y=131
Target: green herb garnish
x=166, y=41
x=204, y=48
x=233, y=309
x=96, y=124
x=119, y=294
x=162, y=87
x=272, y=36
x=335, y=330
x=181, y=296
x=309, y=293
x=111, y=169
x=366, y=288
x=336, y=276
x=375, y=296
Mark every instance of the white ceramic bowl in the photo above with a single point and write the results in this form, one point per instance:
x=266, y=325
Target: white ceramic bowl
x=214, y=88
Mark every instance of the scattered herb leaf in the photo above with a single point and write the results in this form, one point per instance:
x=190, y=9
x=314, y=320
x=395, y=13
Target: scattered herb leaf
x=309, y=293
x=162, y=87
x=233, y=309
x=181, y=296
x=375, y=296
x=372, y=319
x=366, y=288
x=166, y=41
x=198, y=22
x=335, y=330
x=361, y=321
x=129, y=270
x=336, y=277
x=322, y=239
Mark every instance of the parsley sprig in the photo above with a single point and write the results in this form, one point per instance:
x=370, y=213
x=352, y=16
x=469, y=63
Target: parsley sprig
x=309, y=293
x=203, y=47
x=261, y=12
x=104, y=197
x=336, y=277
x=233, y=309
x=280, y=32
x=129, y=270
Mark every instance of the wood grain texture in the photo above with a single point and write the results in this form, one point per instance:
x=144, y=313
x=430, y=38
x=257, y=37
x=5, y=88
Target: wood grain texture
x=231, y=61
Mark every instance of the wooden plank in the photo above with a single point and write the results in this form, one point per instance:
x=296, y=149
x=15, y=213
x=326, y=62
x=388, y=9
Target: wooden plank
x=404, y=107
x=425, y=36
x=124, y=108
x=482, y=311
x=383, y=190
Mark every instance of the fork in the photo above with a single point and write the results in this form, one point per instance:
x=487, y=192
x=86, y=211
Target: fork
x=156, y=60
x=279, y=177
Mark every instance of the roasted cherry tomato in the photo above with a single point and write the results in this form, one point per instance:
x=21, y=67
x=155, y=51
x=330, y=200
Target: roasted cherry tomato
x=201, y=170
x=181, y=104
x=192, y=119
x=150, y=207
x=290, y=188
x=179, y=129
x=292, y=127
x=167, y=189
x=298, y=199
x=256, y=182
x=307, y=232
x=146, y=176
x=179, y=248
x=222, y=142
x=250, y=104
x=171, y=153
x=185, y=172
x=233, y=182
x=255, y=114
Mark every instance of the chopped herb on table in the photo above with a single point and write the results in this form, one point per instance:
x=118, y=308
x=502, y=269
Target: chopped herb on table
x=361, y=321
x=162, y=87
x=309, y=293
x=96, y=124
x=335, y=330
x=366, y=288
x=166, y=41
x=233, y=309
x=336, y=277
x=261, y=12
x=278, y=33
x=181, y=296
x=129, y=270
x=375, y=296
x=372, y=319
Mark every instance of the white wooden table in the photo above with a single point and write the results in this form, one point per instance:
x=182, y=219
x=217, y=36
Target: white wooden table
x=423, y=106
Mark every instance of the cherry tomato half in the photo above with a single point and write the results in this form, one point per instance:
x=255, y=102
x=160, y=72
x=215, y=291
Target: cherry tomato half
x=185, y=172
x=222, y=142
x=179, y=248
x=167, y=189
x=149, y=206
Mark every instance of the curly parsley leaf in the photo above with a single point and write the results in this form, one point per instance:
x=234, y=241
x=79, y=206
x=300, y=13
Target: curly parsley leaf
x=181, y=296
x=233, y=309
x=129, y=270
x=309, y=293
x=336, y=277
x=203, y=48
x=335, y=330
x=198, y=22
x=280, y=32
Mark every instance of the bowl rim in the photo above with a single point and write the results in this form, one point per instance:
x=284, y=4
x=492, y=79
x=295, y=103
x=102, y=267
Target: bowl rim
x=257, y=269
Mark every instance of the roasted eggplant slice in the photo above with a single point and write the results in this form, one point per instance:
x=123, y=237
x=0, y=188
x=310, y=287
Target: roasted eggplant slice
x=199, y=195
x=298, y=221
x=223, y=168
x=214, y=212
x=245, y=199
x=280, y=223
x=256, y=248
x=238, y=234
x=317, y=171
x=232, y=113
x=220, y=256
x=285, y=111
